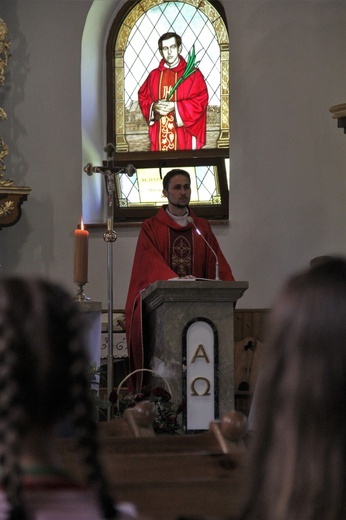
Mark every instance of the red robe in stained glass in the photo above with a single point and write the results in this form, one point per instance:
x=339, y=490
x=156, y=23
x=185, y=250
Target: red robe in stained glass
x=185, y=129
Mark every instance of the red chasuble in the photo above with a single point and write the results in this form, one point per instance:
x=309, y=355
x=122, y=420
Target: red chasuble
x=191, y=99
x=166, y=250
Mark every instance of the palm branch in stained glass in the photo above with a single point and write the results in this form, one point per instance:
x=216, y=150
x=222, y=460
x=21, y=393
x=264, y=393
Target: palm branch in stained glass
x=191, y=67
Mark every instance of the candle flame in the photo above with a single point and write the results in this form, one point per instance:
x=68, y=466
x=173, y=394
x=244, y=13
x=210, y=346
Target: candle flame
x=81, y=224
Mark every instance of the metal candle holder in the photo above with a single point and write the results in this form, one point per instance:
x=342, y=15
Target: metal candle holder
x=80, y=296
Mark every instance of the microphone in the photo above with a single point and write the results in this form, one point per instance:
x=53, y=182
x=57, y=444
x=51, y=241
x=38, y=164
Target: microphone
x=191, y=221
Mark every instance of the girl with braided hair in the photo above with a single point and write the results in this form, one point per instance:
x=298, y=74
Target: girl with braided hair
x=44, y=382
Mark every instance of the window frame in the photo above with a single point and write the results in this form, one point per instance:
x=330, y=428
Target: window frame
x=177, y=159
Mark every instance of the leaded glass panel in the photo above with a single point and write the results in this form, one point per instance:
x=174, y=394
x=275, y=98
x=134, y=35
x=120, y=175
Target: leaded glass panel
x=132, y=54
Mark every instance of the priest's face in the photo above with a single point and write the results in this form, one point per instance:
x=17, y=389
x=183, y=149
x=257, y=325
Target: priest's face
x=170, y=51
x=178, y=194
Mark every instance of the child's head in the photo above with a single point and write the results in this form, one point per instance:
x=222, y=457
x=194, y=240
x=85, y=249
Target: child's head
x=43, y=378
x=42, y=352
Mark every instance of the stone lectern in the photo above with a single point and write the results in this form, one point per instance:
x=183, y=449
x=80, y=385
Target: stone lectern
x=188, y=334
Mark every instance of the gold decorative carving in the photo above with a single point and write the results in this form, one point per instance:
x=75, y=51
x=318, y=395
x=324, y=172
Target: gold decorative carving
x=3, y=153
x=11, y=196
x=6, y=183
x=6, y=208
x=11, y=199
x=5, y=46
x=5, y=55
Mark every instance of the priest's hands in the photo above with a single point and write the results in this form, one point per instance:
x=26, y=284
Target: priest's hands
x=163, y=107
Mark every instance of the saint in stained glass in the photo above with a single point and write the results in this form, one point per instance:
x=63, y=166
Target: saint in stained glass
x=151, y=109
x=204, y=123
x=174, y=99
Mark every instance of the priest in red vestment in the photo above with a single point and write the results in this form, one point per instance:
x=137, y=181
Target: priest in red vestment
x=168, y=247
x=178, y=123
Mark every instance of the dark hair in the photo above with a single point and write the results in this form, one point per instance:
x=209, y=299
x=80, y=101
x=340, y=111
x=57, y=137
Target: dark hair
x=298, y=462
x=44, y=378
x=168, y=35
x=172, y=173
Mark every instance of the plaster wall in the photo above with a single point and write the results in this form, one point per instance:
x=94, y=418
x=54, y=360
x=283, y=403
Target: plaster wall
x=288, y=158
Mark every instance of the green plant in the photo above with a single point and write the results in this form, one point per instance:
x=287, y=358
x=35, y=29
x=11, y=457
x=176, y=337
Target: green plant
x=95, y=375
x=167, y=413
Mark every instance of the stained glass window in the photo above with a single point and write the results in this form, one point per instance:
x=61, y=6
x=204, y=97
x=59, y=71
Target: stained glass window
x=132, y=53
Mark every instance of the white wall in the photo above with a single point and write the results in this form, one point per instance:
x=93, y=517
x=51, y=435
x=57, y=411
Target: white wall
x=288, y=158
x=42, y=99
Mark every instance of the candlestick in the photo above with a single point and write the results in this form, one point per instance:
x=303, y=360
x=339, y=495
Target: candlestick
x=80, y=269
x=80, y=295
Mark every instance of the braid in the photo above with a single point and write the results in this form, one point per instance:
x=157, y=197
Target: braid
x=42, y=347
x=86, y=430
x=11, y=419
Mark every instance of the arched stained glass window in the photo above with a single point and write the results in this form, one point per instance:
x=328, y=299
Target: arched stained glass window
x=134, y=73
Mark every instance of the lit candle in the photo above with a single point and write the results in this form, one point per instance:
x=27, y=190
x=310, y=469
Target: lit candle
x=80, y=270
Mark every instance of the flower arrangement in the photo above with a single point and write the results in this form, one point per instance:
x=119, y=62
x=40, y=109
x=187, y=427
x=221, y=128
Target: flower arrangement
x=166, y=420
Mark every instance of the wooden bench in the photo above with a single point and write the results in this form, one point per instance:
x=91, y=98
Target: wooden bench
x=172, y=476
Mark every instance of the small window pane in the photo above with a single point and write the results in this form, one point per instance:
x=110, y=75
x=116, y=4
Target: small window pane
x=145, y=187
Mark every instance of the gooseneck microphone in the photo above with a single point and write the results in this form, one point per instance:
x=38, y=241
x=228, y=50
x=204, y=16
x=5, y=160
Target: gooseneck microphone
x=191, y=221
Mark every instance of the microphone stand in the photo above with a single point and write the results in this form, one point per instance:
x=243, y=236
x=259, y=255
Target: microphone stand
x=217, y=273
x=109, y=171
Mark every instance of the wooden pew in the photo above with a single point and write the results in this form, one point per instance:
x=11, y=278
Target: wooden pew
x=172, y=476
